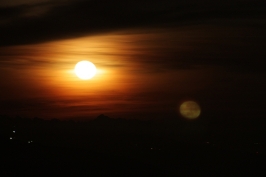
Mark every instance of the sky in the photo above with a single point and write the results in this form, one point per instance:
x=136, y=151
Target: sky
x=150, y=55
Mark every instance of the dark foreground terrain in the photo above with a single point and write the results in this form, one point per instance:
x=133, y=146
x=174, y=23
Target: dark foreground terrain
x=24, y=160
x=108, y=147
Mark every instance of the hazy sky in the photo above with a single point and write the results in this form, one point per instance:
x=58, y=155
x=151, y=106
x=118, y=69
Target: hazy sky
x=150, y=55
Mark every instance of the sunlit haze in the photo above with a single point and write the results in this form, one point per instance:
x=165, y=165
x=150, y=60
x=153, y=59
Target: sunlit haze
x=142, y=71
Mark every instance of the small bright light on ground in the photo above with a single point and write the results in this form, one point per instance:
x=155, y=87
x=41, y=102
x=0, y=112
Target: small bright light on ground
x=11, y=138
x=14, y=131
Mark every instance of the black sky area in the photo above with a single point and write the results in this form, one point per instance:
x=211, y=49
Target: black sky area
x=23, y=24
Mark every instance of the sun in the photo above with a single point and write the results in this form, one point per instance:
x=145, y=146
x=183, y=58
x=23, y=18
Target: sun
x=85, y=70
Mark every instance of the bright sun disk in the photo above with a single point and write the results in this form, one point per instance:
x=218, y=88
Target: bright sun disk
x=85, y=70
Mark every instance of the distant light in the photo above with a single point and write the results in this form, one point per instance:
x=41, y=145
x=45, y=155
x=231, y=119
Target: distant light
x=11, y=138
x=28, y=141
x=14, y=131
x=151, y=148
x=31, y=141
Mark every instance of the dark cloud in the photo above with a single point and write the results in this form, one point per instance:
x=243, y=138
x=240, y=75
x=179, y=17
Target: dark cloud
x=7, y=12
x=72, y=19
x=69, y=107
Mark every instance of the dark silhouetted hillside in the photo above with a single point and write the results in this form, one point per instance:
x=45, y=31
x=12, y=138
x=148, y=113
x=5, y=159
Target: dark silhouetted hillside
x=107, y=146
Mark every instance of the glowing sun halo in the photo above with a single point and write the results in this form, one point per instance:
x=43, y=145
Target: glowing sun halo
x=85, y=70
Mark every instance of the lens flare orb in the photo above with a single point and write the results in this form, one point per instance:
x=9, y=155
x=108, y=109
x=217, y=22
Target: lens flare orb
x=190, y=110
